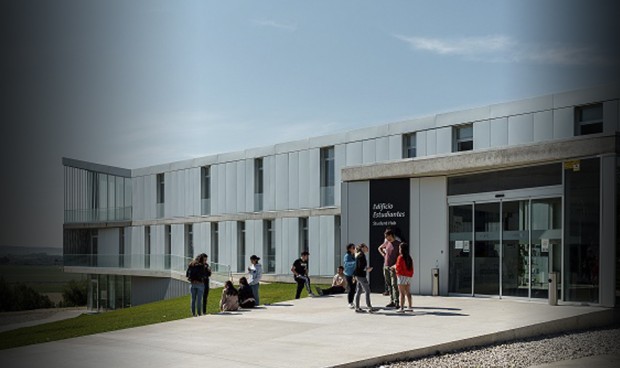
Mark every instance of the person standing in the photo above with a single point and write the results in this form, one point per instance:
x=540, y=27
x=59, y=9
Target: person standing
x=195, y=275
x=255, y=273
x=349, y=268
x=389, y=251
x=205, y=295
x=404, y=273
x=300, y=272
x=339, y=284
x=361, y=269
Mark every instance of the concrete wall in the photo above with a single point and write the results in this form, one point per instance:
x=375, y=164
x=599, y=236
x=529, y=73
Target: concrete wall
x=151, y=289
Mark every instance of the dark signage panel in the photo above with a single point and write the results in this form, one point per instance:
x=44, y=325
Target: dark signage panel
x=389, y=207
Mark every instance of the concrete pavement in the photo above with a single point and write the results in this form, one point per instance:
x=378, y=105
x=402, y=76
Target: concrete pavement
x=313, y=332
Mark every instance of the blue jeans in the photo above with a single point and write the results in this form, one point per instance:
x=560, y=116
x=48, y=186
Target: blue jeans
x=255, y=292
x=197, y=290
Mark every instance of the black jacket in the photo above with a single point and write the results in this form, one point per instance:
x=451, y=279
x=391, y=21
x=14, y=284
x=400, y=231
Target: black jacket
x=360, y=265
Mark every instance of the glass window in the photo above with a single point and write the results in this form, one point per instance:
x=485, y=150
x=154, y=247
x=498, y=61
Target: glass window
x=303, y=234
x=189, y=241
x=258, y=184
x=167, y=246
x=147, y=247
x=409, y=145
x=525, y=177
x=328, y=176
x=463, y=138
x=269, y=248
x=240, y=246
x=160, y=188
x=589, y=119
x=205, y=189
x=215, y=243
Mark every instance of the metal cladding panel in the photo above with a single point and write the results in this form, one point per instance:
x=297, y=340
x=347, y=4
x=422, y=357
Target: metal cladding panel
x=178, y=239
x=108, y=246
x=421, y=149
x=315, y=178
x=258, y=238
x=228, y=243
x=241, y=186
x=281, y=182
x=520, y=129
x=221, y=189
x=431, y=142
x=563, y=123
x=340, y=158
x=395, y=146
x=610, y=116
x=499, y=132
x=151, y=197
x=433, y=233
x=202, y=238
x=354, y=153
x=327, y=266
x=355, y=214
x=157, y=246
x=137, y=205
x=249, y=185
x=414, y=231
x=293, y=179
x=482, y=134
x=444, y=140
x=304, y=179
x=231, y=187
x=543, y=126
x=280, y=239
x=291, y=251
x=369, y=151
x=314, y=245
x=382, y=150
x=269, y=175
x=137, y=240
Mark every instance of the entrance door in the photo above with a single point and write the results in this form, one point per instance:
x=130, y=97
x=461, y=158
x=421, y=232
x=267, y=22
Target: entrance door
x=516, y=243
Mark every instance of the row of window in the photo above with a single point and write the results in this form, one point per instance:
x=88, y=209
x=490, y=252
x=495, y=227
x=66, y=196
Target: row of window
x=588, y=120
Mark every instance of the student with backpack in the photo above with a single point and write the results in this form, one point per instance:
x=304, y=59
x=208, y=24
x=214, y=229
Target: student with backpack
x=196, y=273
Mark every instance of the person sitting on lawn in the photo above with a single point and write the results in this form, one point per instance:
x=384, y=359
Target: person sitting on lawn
x=246, y=297
x=230, y=298
x=339, y=284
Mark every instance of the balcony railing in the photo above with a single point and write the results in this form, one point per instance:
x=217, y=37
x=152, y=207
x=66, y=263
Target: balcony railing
x=98, y=215
x=143, y=262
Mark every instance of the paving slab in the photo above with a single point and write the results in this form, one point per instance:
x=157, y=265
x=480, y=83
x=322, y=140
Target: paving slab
x=313, y=332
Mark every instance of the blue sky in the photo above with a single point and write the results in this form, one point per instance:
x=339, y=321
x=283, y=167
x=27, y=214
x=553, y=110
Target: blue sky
x=135, y=83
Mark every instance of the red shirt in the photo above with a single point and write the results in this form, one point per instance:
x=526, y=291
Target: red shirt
x=401, y=267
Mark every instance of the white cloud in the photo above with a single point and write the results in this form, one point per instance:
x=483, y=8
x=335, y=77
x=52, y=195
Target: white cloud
x=504, y=49
x=274, y=24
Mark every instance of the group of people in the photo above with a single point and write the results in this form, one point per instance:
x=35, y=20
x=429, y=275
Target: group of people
x=247, y=296
x=351, y=276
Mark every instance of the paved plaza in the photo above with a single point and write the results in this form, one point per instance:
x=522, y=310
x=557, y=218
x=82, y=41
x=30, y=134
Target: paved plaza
x=312, y=332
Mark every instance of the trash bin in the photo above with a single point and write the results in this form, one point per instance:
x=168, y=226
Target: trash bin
x=435, y=276
x=553, y=288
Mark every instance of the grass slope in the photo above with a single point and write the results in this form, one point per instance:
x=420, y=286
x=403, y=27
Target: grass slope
x=162, y=311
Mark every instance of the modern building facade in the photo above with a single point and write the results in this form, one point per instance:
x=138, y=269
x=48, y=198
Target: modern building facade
x=494, y=199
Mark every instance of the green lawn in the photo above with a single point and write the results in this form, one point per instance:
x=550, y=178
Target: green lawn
x=162, y=311
x=44, y=279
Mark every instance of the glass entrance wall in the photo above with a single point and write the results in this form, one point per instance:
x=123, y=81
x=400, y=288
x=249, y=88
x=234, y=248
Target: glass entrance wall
x=486, y=248
x=460, y=256
x=582, y=231
x=546, y=244
x=515, y=248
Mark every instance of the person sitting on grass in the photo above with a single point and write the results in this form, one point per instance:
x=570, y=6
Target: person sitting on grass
x=339, y=284
x=246, y=297
x=230, y=298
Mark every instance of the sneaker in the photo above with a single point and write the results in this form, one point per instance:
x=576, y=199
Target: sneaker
x=391, y=305
x=319, y=291
x=312, y=295
x=359, y=310
x=386, y=293
x=351, y=305
x=396, y=305
x=401, y=310
x=373, y=310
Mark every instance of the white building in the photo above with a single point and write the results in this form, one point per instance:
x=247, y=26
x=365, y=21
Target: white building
x=495, y=198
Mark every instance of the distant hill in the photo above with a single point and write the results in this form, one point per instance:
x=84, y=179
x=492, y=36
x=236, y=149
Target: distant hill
x=21, y=251
x=34, y=256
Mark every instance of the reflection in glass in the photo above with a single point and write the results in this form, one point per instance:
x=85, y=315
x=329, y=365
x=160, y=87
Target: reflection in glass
x=515, y=240
x=486, y=249
x=460, y=249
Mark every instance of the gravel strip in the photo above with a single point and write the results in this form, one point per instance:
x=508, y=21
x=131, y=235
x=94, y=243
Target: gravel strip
x=526, y=353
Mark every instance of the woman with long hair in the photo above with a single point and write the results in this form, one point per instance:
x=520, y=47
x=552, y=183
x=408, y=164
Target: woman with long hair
x=361, y=268
x=230, y=298
x=246, y=297
x=404, y=274
x=196, y=273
